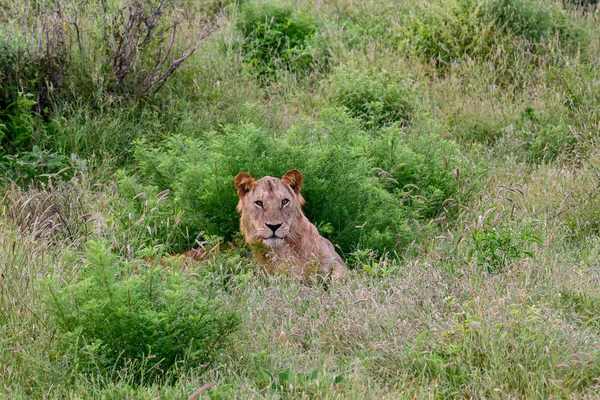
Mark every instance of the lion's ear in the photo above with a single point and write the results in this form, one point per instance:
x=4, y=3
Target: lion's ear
x=243, y=183
x=293, y=178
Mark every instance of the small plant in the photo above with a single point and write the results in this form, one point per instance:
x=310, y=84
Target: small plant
x=546, y=140
x=38, y=165
x=496, y=247
x=447, y=32
x=525, y=19
x=32, y=66
x=153, y=323
x=275, y=39
x=374, y=265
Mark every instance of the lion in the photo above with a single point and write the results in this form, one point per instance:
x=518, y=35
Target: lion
x=271, y=213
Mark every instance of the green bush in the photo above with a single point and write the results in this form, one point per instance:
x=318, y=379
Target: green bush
x=277, y=39
x=373, y=96
x=449, y=31
x=363, y=190
x=454, y=29
x=153, y=322
x=20, y=159
x=25, y=79
x=38, y=165
x=549, y=142
x=18, y=122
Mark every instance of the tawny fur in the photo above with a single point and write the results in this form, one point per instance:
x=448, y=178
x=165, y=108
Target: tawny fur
x=296, y=246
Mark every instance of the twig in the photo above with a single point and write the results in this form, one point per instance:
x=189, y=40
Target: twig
x=203, y=389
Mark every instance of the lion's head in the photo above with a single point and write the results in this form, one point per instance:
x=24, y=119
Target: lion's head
x=270, y=207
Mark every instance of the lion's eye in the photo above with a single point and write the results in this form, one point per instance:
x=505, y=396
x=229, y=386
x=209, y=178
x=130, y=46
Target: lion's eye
x=259, y=203
x=284, y=202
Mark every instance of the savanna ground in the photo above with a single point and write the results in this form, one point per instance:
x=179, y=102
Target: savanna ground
x=449, y=152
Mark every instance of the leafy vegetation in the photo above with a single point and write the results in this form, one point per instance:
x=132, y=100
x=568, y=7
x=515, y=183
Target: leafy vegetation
x=155, y=323
x=376, y=97
x=449, y=151
x=363, y=190
x=276, y=40
x=456, y=30
x=496, y=247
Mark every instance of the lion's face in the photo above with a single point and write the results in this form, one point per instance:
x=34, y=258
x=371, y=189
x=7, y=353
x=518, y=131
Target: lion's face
x=269, y=207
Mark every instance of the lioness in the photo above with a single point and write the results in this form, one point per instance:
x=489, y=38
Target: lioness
x=271, y=212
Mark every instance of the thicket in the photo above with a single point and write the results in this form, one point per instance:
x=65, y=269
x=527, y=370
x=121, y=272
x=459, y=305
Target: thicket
x=363, y=190
x=27, y=79
x=146, y=323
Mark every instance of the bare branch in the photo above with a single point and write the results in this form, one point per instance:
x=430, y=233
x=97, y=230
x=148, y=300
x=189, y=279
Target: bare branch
x=161, y=79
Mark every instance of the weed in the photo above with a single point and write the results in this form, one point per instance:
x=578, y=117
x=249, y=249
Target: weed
x=457, y=30
x=288, y=382
x=496, y=247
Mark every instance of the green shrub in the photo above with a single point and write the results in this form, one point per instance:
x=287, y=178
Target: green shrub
x=373, y=96
x=362, y=189
x=39, y=165
x=20, y=159
x=277, y=39
x=549, y=142
x=18, y=122
x=153, y=322
x=451, y=30
x=25, y=79
x=496, y=247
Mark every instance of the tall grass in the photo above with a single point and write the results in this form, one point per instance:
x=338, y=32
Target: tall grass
x=449, y=149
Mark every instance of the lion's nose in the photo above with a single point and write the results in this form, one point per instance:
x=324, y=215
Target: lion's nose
x=273, y=227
